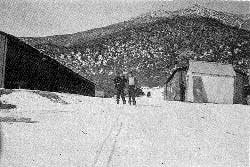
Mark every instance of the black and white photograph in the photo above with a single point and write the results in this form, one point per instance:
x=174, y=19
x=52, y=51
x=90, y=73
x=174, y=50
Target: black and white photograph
x=124, y=83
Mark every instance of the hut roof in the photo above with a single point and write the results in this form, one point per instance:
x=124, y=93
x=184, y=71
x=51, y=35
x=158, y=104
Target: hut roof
x=51, y=59
x=207, y=68
x=175, y=71
x=211, y=68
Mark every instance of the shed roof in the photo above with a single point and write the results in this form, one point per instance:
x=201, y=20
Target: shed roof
x=175, y=71
x=51, y=59
x=211, y=68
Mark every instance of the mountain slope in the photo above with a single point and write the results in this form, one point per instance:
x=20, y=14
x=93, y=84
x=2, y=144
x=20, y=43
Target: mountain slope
x=194, y=11
x=199, y=11
x=246, y=24
x=151, y=46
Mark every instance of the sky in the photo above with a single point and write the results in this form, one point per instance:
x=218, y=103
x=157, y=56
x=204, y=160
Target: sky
x=55, y=17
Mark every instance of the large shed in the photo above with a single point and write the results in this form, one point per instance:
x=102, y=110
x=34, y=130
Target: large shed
x=23, y=66
x=207, y=82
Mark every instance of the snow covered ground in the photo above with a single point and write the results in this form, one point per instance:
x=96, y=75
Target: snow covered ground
x=63, y=130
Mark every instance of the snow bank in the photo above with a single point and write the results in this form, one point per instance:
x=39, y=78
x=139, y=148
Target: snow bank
x=95, y=132
x=27, y=99
x=33, y=101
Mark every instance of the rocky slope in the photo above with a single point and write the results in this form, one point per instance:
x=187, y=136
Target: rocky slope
x=197, y=11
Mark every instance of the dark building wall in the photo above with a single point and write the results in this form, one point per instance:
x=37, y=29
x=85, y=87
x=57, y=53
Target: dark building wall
x=175, y=87
x=3, y=48
x=27, y=68
x=239, y=84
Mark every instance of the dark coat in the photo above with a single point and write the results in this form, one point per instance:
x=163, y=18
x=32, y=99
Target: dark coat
x=120, y=82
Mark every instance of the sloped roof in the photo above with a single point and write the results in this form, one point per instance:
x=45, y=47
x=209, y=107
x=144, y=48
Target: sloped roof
x=211, y=68
x=51, y=59
x=175, y=71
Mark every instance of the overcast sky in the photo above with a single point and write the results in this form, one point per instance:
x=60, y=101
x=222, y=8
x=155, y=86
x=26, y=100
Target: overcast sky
x=53, y=17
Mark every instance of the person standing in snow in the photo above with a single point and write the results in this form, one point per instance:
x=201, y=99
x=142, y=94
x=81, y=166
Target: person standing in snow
x=149, y=94
x=120, y=84
x=132, y=85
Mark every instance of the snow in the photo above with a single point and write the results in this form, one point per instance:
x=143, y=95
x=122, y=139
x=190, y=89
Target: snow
x=96, y=132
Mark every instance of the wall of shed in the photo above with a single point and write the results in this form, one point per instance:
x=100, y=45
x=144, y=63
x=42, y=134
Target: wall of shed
x=210, y=89
x=239, y=94
x=3, y=48
x=219, y=89
x=27, y=68
x=173, y=87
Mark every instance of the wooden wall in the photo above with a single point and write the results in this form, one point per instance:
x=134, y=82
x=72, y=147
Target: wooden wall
x=3, y=49
x=239, y=89
x=173, y=87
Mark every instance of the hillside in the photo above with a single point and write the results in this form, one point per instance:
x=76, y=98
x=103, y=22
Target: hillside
x=53, y=129
x=198, y=11
x=237, y=20
x=246, y=24
x=151, y=46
